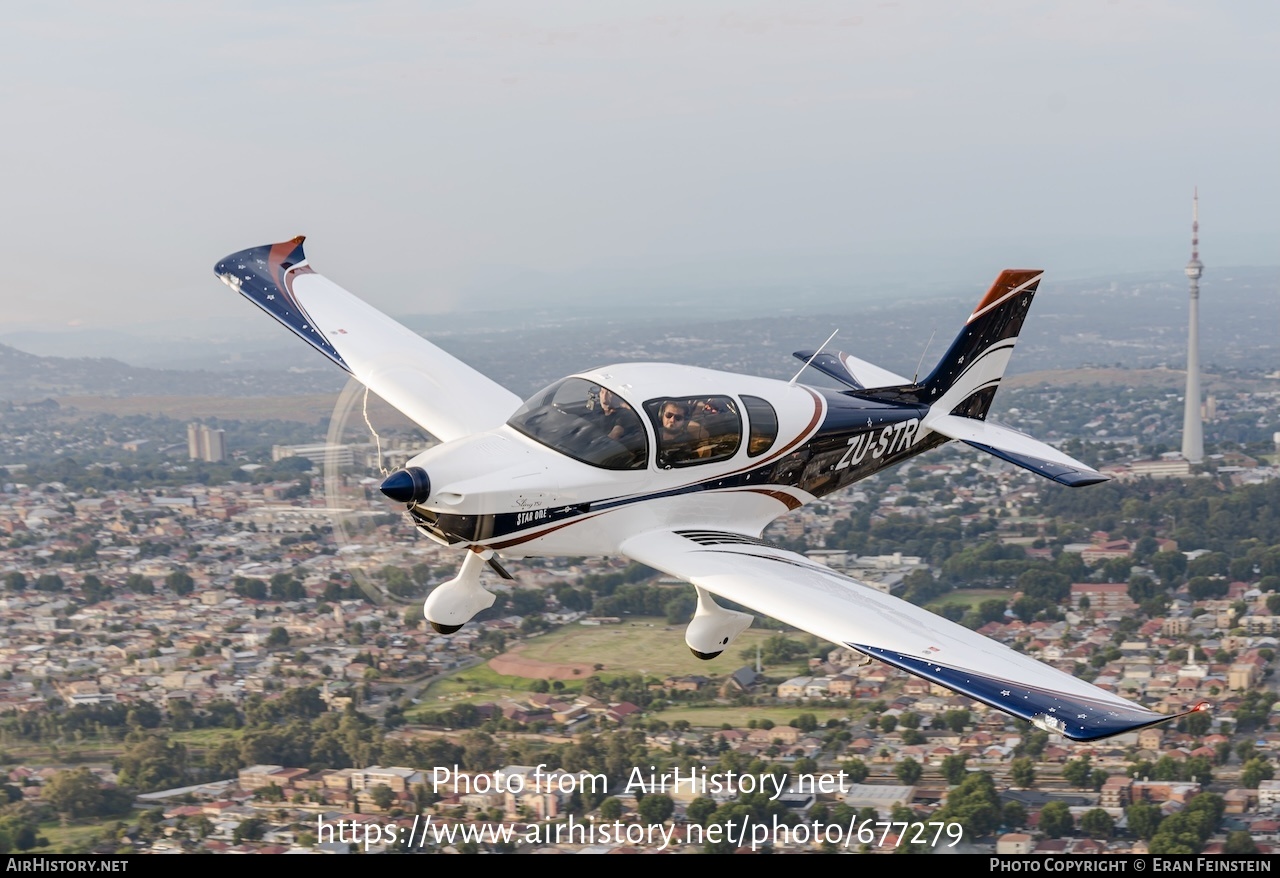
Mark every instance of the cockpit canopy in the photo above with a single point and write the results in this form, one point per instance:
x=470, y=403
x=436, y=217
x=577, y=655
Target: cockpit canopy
x=591, y=423
x=587, y=422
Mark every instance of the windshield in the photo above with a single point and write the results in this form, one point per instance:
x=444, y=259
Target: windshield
x=588, y=422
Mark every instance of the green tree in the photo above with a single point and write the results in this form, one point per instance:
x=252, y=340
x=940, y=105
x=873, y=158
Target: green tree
x=180, y=583
x=1255, y=771
x=908, y=771
x=249, y=830
x=382, y=796
x=953, y=768
x=49, y=582
x=1045, y=585
x=805, y=722
x=611, y=808
x=655, y=808
x=1055, y=820
x=152, y=763
x=1240, y=842
x=139, y=584
x=1187, y=831
x=1197, y=724
x=956, y=720
x=1143, y=588
x=975, y=804
x=1015, y=814
x=94, y=589
x=1077, y=772
x=1097, y=823
x=1169, y=566
x=699, y=810
x=1143, y=819
x=76, y=793
x=856, y=770
x=1022, y=772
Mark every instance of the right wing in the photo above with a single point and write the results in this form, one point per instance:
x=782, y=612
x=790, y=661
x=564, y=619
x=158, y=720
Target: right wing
x=435, y=390
x=792, y=589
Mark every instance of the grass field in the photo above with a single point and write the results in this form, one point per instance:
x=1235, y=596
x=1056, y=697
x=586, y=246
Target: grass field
x=645, y=645
x=641, y=645
x=76, y=837
x=205, y=739
x=472, y=685
x=970, y=597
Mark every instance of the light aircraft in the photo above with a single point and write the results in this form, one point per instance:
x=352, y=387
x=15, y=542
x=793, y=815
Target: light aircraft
x=681, y=469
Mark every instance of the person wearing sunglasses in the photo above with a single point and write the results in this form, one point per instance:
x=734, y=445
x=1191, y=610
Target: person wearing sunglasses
x=679, y=438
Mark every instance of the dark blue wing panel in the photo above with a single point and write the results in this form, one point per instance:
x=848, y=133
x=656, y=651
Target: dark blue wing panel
x=1060, y=473
x=264, y=275
x=1073, y=716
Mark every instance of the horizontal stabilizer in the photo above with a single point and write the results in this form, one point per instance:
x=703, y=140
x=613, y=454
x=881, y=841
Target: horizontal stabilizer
x=849, y=370
x=1017, y=448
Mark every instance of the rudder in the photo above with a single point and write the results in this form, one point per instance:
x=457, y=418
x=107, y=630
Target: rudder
x=966, y=378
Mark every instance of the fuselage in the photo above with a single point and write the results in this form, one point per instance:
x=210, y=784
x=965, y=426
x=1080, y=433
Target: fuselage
x=569, y=474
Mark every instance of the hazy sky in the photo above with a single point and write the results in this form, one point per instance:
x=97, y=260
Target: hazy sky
x=447, y=155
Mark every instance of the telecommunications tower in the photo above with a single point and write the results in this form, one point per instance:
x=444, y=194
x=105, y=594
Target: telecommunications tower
x=1192, y=429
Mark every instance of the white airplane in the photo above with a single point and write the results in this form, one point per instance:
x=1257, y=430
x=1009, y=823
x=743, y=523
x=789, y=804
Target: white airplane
x=681, y=469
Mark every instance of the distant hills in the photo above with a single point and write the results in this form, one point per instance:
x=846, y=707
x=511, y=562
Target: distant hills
x=1138, y=322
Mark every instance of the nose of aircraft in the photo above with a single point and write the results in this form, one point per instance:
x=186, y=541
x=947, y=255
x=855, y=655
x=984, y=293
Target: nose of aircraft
x=407, y=485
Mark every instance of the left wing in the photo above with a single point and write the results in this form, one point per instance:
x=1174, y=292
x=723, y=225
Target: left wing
x=437, y=391
x=792, y=589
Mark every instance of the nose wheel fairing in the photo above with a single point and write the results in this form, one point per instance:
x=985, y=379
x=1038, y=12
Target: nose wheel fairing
x=452, y=604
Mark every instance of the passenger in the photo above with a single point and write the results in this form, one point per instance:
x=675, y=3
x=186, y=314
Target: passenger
x=680, y=439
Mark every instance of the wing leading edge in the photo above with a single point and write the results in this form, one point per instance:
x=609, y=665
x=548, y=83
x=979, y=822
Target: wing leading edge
x=435, y=390
x=799, y=592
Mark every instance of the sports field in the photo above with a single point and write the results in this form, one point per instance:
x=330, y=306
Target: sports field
x=637, y=645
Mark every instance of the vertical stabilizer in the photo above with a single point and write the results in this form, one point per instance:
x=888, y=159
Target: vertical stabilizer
x=964, y=382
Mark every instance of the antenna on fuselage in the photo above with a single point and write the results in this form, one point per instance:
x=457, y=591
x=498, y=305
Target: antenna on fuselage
x=815, y=353
x=915, y=379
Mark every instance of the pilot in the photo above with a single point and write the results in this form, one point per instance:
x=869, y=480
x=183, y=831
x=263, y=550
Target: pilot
x=620, y=423
x=616, y=417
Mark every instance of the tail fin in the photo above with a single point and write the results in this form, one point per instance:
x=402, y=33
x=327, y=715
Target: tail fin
x=965, y=381
x=961, y=387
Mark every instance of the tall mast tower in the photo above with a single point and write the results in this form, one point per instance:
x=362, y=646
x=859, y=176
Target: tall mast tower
x=1192, y=429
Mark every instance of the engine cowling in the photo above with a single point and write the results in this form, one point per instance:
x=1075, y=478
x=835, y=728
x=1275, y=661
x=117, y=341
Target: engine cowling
x=713, y=627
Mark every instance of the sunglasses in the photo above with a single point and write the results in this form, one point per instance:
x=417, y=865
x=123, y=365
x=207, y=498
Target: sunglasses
x=675, y=416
